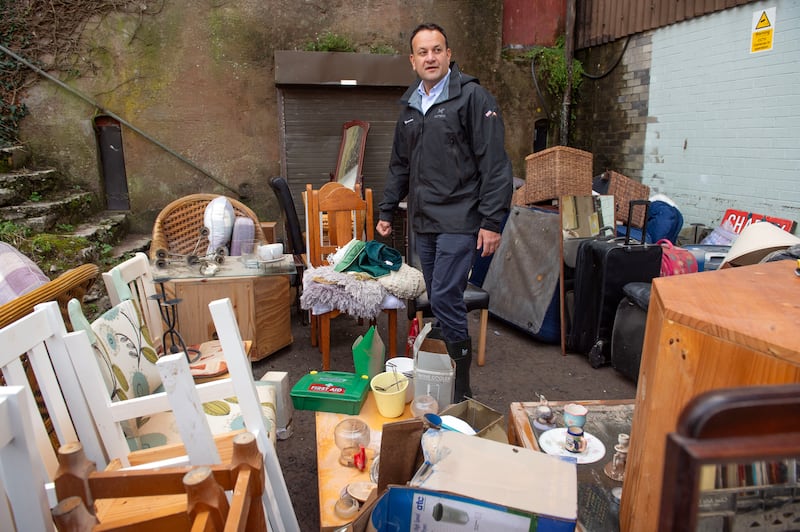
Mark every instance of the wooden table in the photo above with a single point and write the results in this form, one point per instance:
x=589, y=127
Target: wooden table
x=598, y=510
x=260, y=298
x=717, y=329
x=332, y=476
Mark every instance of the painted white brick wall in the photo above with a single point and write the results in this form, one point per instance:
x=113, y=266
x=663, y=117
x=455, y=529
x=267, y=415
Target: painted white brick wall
x=724, y=125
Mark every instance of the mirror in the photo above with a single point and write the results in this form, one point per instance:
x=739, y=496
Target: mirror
x=582, y=217
x=351, y=154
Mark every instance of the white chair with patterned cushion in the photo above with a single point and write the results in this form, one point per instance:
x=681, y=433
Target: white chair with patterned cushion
x=124, y=390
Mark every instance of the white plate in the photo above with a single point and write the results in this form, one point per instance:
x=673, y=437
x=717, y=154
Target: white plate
x=552, y=442
x=360, y=490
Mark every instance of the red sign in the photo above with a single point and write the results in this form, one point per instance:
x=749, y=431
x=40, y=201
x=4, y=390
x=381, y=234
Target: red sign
x=326, y=388
x=741, y=219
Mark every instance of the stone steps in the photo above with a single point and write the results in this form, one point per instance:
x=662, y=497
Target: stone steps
x=39, y=199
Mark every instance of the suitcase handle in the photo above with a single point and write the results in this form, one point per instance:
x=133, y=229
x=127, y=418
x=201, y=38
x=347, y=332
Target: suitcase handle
x=631, y=205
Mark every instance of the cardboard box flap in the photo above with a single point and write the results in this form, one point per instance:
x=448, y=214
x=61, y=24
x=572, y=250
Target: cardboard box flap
x=506, y=475
x=431, y=354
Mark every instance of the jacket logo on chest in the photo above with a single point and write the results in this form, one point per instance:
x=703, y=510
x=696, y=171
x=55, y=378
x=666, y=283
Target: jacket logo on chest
x=440, y=112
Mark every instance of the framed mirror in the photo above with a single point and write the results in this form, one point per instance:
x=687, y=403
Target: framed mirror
x=351, y=154
x=582, y=218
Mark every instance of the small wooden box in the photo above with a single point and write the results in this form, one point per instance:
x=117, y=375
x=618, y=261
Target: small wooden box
x=261, y=303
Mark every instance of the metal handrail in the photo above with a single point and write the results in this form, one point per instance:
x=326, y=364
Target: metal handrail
x=117, y=117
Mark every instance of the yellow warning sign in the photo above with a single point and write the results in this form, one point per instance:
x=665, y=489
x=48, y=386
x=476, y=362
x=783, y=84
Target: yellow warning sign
x=763, y=32
x=763, y=21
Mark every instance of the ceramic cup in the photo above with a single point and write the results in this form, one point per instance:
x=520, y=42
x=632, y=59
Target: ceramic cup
x=389, y=389
x=575, y=415
x=574, y=441
x=270, y=251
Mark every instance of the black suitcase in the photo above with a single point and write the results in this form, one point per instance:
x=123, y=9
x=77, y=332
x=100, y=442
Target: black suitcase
x=602, y=269
x=627, y=337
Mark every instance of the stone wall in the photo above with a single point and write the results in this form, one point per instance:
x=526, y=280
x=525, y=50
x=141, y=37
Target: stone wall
x=199, y=79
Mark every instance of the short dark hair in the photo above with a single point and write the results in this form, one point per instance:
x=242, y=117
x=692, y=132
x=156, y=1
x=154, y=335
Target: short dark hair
x=427, y=26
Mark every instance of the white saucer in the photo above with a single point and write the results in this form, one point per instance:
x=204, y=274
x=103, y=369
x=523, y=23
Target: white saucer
x=552, y=442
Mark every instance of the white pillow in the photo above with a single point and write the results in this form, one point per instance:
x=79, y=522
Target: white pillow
x=219, y=219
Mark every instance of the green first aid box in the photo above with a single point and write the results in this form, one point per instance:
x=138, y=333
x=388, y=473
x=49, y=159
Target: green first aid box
x=331, y=391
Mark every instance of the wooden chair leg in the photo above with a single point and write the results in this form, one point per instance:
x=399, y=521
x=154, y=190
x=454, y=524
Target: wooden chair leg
x=72, y=475
x=248, y=463
x=314, y=329
x=207, y=504
x=392, y=316
x=71, y=515
x=482, y=337
x=325, y=340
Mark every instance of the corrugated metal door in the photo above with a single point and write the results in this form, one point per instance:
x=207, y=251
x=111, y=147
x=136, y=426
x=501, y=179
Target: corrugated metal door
x=312, y=119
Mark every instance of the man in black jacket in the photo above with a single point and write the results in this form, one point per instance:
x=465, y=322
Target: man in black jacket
x=449, y=158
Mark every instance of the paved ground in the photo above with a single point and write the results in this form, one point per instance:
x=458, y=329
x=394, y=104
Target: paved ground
x=517, y=369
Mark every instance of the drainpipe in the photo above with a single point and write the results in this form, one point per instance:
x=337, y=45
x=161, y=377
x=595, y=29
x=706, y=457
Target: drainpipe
x=569, y=53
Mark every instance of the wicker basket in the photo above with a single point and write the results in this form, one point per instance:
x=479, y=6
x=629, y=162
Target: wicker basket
x=624, y=190
x=558, y=171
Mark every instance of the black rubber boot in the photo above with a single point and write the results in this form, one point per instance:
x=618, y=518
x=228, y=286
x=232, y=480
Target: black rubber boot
x=461, y=353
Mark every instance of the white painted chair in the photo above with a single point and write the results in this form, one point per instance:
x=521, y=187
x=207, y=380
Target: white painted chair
x=188, y=401
x=20, y=467
x=40, y=336
x=133, y=279
x=117, y=371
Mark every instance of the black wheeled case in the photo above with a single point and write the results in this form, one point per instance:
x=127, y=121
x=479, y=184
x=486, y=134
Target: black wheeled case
x=627, y=337
x=602, y=269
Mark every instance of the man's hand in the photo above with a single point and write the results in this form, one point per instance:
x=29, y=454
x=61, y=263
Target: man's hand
x=384, y=228
x=489, y=241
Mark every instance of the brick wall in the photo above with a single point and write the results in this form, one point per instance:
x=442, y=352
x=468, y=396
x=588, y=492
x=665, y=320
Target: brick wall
x=724, y=123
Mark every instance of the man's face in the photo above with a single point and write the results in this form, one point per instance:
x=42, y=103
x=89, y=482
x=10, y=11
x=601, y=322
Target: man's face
x=430, y=57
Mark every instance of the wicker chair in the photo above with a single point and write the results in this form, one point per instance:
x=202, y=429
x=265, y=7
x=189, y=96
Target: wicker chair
x=73, y=283
x=178, y=225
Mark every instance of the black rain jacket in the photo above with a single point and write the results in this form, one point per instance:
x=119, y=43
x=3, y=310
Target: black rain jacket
x=450, y=162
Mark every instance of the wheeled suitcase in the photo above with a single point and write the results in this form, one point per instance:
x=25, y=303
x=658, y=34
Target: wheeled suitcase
x=627, y=337
x=602, y=269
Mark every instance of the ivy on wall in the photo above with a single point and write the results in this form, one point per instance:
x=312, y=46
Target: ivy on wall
x=47, y=33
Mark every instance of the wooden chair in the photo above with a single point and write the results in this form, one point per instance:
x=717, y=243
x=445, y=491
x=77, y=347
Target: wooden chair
x=335, y=215
x=732, y=427
x=206, y=506
x=189, y=402
x=475, y=297
x=117, y=367
x=22, y=482
x=39, y=336
x=178, y=225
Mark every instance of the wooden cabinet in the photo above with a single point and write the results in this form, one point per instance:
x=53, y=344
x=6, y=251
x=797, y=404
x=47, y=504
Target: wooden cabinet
x=716, y=329
x=262, y=305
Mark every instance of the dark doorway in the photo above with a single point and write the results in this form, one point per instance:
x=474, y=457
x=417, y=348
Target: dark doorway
x=112, y=162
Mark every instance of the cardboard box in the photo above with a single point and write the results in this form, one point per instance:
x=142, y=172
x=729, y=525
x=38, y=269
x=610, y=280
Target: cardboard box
x=405, y=508
x=487, y=422
x=533, y=484
x=434, y=370
x=331, y=391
